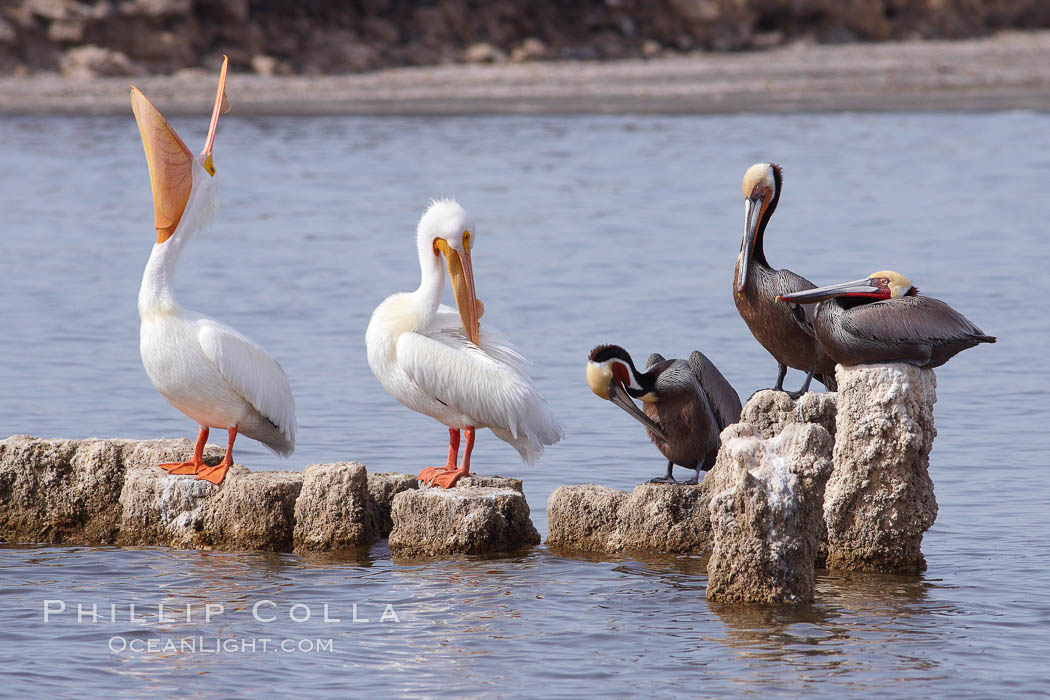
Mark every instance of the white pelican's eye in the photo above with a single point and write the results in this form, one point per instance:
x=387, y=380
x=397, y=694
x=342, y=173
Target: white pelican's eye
x=468, y=242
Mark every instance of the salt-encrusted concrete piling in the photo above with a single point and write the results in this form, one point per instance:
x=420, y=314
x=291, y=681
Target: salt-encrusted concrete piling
x=111, y=492
x=669, y=518
x=332, y=510
x=481, y=515
x=766, y=513
x=769, y=412
x=754, y=506
x=879, y=499
x=68, y=491
x=250, y=511
x=653, y=518
x=381, y=491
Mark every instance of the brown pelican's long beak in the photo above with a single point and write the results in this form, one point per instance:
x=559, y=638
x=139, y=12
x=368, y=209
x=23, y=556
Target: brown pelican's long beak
x=857, y=288
x=619, y=396
x=752, y=215
x=170, y=165
x=222, y=105
x=461, y=273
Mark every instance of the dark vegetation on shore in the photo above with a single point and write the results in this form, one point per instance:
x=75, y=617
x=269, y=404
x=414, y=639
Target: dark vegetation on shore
x=87, y=38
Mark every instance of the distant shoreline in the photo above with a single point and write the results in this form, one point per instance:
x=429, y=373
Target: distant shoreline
x=1003, y=72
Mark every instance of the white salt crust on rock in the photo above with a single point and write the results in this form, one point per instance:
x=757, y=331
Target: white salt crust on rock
x=766, y=514
x=472, y=518
x=111, y=492
x=879, y=500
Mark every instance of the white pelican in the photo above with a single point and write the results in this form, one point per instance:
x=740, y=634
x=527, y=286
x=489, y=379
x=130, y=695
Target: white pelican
x=207, y=370
x=449, y=366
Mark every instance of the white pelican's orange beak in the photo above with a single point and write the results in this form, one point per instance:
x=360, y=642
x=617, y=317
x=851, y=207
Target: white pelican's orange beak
x=461, y=273
x=170, y=165
x=170, y=161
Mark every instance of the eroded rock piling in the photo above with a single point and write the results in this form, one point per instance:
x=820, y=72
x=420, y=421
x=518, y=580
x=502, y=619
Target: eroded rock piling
x=879, y=499
x=95, y=491
x=766, y=514
x=250, y=511
x=481, y=515
x=332, y=511
x=653, y=518
x=68, y=491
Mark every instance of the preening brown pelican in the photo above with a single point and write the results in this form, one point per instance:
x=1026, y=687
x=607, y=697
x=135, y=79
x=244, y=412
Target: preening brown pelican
x=883, y=319
x=786, y=333
x=686, y=403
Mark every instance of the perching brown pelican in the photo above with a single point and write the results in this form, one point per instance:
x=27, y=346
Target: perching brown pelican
x=784, y=332
x=686, y=404
x=883, y=319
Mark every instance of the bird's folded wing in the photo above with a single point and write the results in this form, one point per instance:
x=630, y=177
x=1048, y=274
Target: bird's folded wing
x=253, y=374
x=723, y=397
x=495, y=344
x=448, y=367
x=908, y=321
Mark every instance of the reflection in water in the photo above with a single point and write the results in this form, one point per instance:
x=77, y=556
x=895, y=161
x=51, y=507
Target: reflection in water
x=854, y=619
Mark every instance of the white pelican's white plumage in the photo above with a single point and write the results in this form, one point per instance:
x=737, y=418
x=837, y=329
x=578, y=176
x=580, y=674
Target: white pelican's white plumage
x=207, y=370
x=445, y=364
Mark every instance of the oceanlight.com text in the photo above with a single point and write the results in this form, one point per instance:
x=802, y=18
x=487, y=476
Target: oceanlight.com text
x=216, y=645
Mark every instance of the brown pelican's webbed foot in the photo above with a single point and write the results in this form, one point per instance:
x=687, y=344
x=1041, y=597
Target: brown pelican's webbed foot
x=669, y=477
x=794, y=395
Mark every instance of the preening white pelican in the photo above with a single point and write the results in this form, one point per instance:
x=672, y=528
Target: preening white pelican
x=447, y=365
x=207, y=370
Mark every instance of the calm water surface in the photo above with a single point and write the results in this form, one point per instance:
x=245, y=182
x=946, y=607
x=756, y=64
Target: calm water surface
x=590, y=229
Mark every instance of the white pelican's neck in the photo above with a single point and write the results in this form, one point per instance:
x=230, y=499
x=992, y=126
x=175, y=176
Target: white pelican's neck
x=431, y=282
x=157, y=293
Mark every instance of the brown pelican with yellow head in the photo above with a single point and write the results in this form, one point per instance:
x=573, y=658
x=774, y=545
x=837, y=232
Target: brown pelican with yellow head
x=785, y=332
x=882, y=318
x=686, y=404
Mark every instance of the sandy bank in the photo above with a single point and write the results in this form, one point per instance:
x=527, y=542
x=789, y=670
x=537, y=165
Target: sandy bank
x=1008, y=71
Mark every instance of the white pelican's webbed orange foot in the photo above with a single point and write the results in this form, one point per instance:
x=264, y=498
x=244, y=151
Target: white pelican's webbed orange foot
x=217, y=474
x=428, y=475
x=446, y=477
x=183, y=467
x=195, y=465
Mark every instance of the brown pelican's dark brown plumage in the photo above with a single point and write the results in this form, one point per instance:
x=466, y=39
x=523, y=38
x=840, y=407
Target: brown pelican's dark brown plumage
x=883, y=319
x=786, y=333
x=686, y=404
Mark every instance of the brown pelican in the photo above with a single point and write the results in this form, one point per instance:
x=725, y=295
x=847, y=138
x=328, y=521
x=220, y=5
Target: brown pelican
x=785, y=332
x=686, y=404
x=883, y=319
